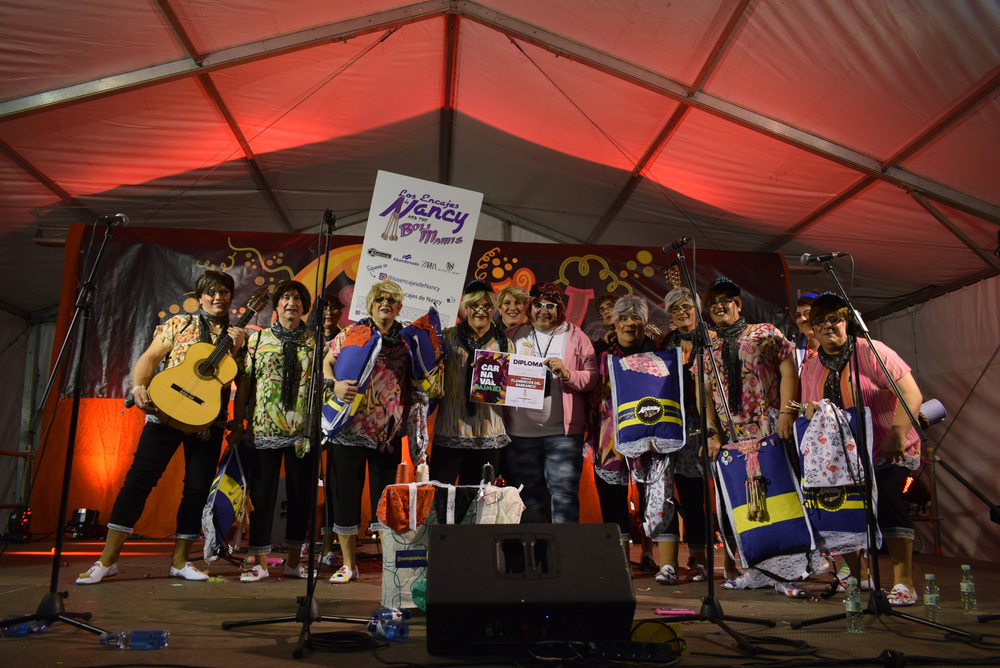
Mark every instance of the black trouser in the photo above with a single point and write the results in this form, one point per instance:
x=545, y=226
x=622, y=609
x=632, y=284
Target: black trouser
x=156, y=448
x=614, y=504
x=265, y=471
x=346, y=481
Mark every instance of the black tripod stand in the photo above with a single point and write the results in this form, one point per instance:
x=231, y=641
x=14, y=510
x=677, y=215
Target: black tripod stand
x=308, y=609
x=878, y=603
x=52, y=608
x=711, y=608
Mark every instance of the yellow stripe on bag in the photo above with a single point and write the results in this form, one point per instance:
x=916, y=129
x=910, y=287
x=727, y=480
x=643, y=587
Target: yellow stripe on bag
x=780, y=508
x=627, y=416
x=231, y=489
x=636, y=421
x=856, y=504
x=632, y=404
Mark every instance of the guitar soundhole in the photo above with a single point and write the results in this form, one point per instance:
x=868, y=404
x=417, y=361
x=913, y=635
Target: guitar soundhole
x=180, y=390
x=206, y=370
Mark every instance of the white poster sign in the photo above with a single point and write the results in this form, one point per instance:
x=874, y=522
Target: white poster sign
x=419, y=235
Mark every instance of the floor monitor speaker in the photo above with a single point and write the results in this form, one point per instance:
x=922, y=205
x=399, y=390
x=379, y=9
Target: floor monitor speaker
x=501, y=588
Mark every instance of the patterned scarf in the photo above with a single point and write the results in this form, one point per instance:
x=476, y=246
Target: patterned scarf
x=290, y=370
x=467, y=339
x=391, y=338
x=205, y=321
x=836, y=364
x=731, y=362
x=675, y=337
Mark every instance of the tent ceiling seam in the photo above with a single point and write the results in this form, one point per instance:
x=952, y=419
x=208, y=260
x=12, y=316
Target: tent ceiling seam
x=206, y=83
x=446, y=137
x=223, y=58
x=828, y=207
x=963, y=106
x=179, y=31
x=670, y=127
x=957, y=231
x=75, y=206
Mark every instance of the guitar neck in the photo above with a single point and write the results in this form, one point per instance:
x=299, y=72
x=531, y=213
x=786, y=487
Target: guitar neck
x=225, y=341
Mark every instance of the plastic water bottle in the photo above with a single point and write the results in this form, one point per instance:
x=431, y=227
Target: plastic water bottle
x=137, y=639
x=22, y=629
x=396, y=631
x=968, y=589
x=932, y=599
x=390, y=615
x=852, y=603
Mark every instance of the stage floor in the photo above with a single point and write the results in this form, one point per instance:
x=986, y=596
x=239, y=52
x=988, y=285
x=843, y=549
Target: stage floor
x=142, y=596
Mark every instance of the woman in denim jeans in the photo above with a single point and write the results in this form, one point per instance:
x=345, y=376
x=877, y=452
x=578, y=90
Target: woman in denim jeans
x=546, y=449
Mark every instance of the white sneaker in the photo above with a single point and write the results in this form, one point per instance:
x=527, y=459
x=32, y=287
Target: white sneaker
x=96, y=573
x=667, y=575
x=300, y=572
x=328, y=559
x=255, y=573
x=344, y=574
x=189, y=572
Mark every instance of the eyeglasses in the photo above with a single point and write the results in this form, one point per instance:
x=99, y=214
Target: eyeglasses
x=480, y=308
x=721, y=301
x=681, y=308
x=391, y=301
x=604, y=309
x=546, y=307
x=222, y=293
x=833, y=321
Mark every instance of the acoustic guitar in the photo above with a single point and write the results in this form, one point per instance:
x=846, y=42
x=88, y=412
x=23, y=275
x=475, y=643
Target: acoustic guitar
x=189, y=396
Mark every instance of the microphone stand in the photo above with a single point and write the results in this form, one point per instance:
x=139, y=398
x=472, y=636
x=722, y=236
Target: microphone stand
x=878, y=602
x=52, y=609
x=711, y=608
x=308, y=609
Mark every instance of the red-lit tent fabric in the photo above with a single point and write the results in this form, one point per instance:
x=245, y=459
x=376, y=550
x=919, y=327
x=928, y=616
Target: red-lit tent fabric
x=866, y=126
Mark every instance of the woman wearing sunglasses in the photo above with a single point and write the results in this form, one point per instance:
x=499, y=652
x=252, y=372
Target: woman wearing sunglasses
x=374, y=435
x=758, y=379
x=546, y=449
x=895, y=443
x=468, y=434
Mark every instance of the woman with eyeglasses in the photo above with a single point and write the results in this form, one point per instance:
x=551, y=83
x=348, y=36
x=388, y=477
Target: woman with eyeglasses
x=759, y=379
x=468, y=434
x=158, y=442
x=688, y=472
x=331, y=327
x=604, y=307
x=331, y=315
x=546, y=448
x=373, y=436
x=895, y=443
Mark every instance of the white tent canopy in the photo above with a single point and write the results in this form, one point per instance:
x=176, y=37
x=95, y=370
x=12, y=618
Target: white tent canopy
x=868, y=126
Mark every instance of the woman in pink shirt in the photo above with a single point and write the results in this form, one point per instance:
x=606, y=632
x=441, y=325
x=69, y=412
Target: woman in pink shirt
x=896, y=445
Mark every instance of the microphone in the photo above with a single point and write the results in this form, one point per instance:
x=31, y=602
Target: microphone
x=330, y=218
x=678, y=243
x=114, y=220
x=818, y=259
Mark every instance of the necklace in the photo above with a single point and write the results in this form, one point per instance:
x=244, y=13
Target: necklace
x=538, y=346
